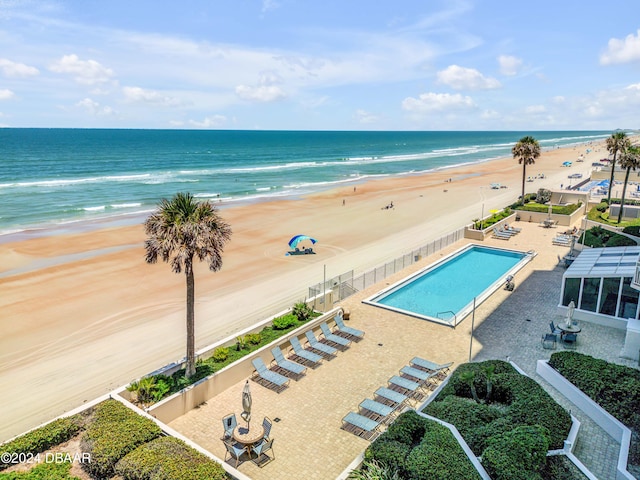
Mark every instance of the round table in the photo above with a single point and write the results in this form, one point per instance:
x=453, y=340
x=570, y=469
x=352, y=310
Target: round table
x=569, y=328
x=248, y=437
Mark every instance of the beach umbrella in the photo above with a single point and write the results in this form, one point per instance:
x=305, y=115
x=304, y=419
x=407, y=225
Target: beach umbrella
x=295, y=241
x=246, y=403
x=570, y=310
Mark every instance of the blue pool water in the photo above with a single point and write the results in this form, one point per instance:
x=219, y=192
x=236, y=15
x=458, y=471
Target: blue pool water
x=445, y=291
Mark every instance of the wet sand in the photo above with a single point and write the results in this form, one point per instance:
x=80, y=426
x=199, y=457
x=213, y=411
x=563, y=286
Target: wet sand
x=82, y=313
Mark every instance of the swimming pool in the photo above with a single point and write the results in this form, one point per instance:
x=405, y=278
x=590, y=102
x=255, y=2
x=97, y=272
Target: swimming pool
x=444, y=291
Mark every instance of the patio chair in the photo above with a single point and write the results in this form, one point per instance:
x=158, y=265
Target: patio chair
x=570, y=340
x=349, y=332
x=303, y=356
x=426, y=379
x=507, y=232
x=335, y=340
x=326, y=351
x=235, y=452
x=286, y=367
x=549, y=341
x=229, y=423
x=406, y=387
x=390, y=397
x=501, y=236
x=441, y=369
x=260, y=450
x=360, y=425
x=266, y=426
x=555, y=330
x=267, y=378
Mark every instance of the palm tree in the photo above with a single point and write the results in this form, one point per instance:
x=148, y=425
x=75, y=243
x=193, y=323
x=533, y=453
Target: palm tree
x=179, y=230
x=630, y=159
x=617, y=142
x=527, y=150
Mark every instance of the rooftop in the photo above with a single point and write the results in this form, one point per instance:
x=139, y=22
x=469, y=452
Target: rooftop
x=605, y=262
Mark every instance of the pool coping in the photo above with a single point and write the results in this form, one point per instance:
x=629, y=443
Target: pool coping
x=459, y=316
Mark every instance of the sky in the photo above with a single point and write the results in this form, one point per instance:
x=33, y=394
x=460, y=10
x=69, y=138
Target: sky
x=320, y=65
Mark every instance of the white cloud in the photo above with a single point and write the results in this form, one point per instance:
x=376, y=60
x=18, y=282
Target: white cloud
x=150, y=97
x=95, y=108
x=460, y=78
x=261, y=93
x=269, y=5
x=535, y=109
x=86, y=72
x=214, y=121
x=13, y=69
x=634, y=86
x=622, y=51
x=509, y=65
x=363, y=116
x=6, y=94
x=437, y=102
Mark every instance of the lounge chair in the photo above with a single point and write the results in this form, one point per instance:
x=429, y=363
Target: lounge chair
x=562, y=240
x=303, y=356
x=336, y=340
x=267, y=378
x=229, y=423
x=549, y=341
x=360, y=425
x=421, y=376
x=406, y=387
x=348, y=332
x=260, y=450
x=440, y=369
x=326, y=351
x=510, y=228
x=507, y=232
x=284, y=366
x=375, y=410
x=499, y=235
x=390, y=397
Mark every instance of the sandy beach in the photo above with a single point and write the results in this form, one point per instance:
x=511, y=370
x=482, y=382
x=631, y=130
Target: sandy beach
x=82, y=313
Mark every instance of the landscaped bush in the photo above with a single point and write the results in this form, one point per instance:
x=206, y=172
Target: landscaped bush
x=515, y=401
x=421, y=449
x=168, y=458
x=220, y=354
x=43, y=438
x=285, y=321
x=517, y=455
x=543, y=195
x=615, y=388
x=114, y=432
x=253, y=338
x=632, y=230
x=557, y=209
x=479, y=224
x=43, y=471
x=598, y=237
x=302, y=311
x=602, y=207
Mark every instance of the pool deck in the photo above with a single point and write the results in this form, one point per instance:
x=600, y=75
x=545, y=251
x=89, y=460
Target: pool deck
x=309, y=442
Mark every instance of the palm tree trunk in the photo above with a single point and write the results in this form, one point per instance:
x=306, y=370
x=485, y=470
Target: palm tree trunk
x=191, y=334
x=613, y=169
x=624, y=191
x=524, y=176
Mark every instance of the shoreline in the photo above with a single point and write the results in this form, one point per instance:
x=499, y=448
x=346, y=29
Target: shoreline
x=77, y=327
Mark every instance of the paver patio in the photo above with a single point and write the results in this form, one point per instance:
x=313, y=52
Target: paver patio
x=309, y=442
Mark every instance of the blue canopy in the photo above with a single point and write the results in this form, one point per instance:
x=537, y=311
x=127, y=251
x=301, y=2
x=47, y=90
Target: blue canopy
x=293, y=243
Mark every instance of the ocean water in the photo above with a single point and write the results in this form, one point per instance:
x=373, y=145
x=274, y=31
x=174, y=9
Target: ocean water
x=62, y=178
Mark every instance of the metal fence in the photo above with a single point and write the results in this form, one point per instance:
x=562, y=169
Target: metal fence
x=346, y=284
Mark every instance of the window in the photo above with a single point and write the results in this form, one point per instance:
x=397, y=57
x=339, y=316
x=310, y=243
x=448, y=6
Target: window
x=628, y=300
x=609, y=297
x=571, y=291
x=590, y=288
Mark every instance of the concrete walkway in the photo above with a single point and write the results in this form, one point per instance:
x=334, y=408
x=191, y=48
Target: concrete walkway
x=309, y=442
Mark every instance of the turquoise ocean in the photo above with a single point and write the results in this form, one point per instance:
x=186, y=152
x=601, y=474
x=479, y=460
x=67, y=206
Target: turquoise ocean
x=55, y=180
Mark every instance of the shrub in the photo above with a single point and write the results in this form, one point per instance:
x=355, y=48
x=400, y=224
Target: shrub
x=253, y=338
x=518, y=454
x=285, y=321
x=632, y=230
x=602, y=207
x=373, y=470
x=44, y=438
x=220, y=354
x=168, y=458
x=115, y=431
x=302, y=311
x=543, y=195
x=43, y=471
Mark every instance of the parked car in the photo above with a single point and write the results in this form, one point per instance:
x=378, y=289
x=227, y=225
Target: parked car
x=575, y=175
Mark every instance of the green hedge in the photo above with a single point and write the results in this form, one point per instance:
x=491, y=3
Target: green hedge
x=44, y=438
x=493, y=219
x=557, y=209
x=43, y=471
x=516, y=401
x=615, y=388
x=517, y=455
x=168, y=458
x=421, y=449
x=115, y=431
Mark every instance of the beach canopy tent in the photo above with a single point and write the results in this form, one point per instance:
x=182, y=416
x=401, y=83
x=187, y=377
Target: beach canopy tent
x=298, y=239
x=566, y=164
